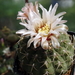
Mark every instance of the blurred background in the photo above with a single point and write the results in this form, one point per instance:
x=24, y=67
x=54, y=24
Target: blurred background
x=9, y=10
x=9, y=24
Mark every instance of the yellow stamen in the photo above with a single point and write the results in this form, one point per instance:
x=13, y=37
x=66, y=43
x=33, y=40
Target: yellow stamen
x=44, y=29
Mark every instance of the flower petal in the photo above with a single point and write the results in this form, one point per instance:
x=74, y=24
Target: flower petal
x=30, y=41
x=36, y=8
x=44, y=14
x=37, y=36
x=61, y=28
x=55, y=33
x=54, y=10
x=43, y=40
x=60, y=14
x=36, y=43
x=55, y=42
x=21, y=31
x=31, y=33
x=50, y=8
x=45, y=45
x=53, y=18
x=62, y=21
x=26, y=25
x=57, y=21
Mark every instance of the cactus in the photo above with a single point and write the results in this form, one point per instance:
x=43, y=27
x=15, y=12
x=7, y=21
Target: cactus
x=46, y=62
x=45, y=47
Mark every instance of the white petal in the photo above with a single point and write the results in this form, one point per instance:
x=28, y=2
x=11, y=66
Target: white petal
x=26, y=25
x=30, y=41
x=44, y=14
x=20, y=13
x=45, y=45
x=56, y=33
x=54, y=10
x=36, y=15
x=56, y=22
x=29, y=33
x=31, y=25
x=50, y=8
x=43, y=40
x=36, y=43
x=32, y=15
x=37, y=39
x=37, y=36
x=62, y=21
x=53, y=18
x=37, y=20
x=21, y=31
x=55, y=42
x=21, y=18
x=60, y=14
x=61, y=28
x=36, y=5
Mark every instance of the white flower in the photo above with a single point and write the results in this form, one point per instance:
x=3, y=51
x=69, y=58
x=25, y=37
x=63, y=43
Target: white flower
x=43, y=30
x=26, y=9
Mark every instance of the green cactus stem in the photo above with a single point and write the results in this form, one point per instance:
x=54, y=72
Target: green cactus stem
x=37, y=61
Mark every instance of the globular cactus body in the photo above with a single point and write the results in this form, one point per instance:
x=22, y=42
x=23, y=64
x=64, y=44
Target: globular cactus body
x=37, y=61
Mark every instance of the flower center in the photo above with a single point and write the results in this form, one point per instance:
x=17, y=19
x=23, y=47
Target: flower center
x=44, y=29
